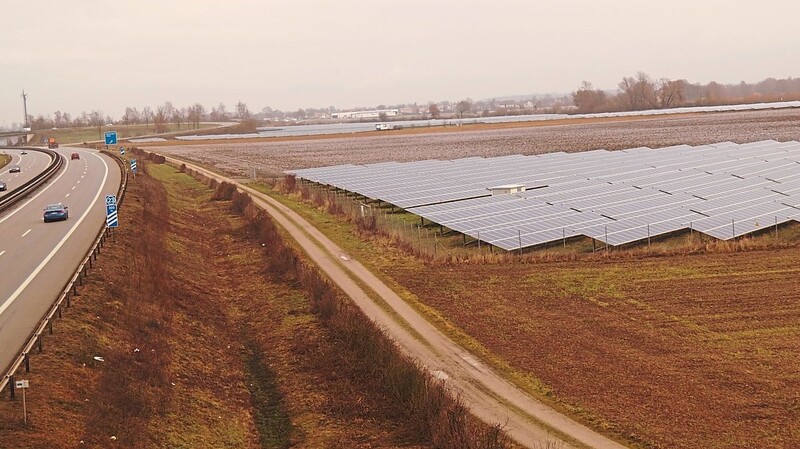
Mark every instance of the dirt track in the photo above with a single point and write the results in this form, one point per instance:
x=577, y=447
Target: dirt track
x=489, y=396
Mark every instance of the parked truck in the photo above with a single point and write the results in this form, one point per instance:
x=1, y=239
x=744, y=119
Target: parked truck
x=51, y=143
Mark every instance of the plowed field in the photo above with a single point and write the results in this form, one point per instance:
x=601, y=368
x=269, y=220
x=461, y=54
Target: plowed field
x=535, y=138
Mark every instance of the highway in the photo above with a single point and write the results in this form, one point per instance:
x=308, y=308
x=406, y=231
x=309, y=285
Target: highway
x=30, y=165
x=37, y=259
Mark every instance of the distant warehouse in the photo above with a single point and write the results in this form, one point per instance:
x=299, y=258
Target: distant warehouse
x=375, y=113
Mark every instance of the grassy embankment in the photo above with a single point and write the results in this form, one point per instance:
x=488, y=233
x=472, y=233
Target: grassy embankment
x=210, y=339
x=95, y=133
x=5, y=159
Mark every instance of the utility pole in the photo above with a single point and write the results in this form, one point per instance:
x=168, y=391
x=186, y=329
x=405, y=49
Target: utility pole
x=25, y=108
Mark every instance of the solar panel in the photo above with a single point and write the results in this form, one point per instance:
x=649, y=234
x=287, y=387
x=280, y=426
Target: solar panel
x=724, y=190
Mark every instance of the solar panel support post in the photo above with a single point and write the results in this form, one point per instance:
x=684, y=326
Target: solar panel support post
x=776, y=226
x=479, y=239
x=564, y=236
x=606, y=229
x=465, y=239
x=648, y=235
x=733, y=228
x=519, y=236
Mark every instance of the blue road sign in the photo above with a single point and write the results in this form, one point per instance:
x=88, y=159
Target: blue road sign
x=111, y=200
x=111, y=137
x=112, y=220
x=133, y=165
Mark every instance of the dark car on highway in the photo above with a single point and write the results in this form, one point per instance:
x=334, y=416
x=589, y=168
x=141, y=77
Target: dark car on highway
x=3, y=186
x=55, y=212
x=14, y=169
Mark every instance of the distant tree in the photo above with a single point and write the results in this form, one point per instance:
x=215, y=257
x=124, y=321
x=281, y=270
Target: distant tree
x=638, y=93
x=160, y=119
x=382, y=116
x=300, y=114
x=433, y=110
x=178, y=117
x=223, y=116
x=242, y=111
x=670, y=93
x=588, y=100
x=147, y=115
x=464, y=106
x=66, y=119
x=195, y=114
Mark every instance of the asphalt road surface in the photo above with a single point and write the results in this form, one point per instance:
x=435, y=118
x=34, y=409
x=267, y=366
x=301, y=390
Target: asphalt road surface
x=30, y=165
x=37, y=259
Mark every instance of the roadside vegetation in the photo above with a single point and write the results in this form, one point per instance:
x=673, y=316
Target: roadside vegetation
x=5, y=159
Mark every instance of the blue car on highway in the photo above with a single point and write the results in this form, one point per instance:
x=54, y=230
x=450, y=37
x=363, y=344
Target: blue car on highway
x=55, y=212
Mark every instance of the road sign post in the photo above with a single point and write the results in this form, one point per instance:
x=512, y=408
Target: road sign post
x=112, y=219
x=23, y=385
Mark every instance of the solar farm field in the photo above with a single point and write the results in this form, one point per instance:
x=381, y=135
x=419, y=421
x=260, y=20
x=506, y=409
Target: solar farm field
x=670, y=351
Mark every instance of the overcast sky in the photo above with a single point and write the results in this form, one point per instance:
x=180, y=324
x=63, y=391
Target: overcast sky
x=86, y=55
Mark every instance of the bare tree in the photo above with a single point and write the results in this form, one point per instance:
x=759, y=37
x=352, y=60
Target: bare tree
x=433, y=110
x=195, y=114
x=638, y=93
x=178, y=117
x=587, y=99
x=160, y=119
x=241, y=111
x=670, y=93
x=464, y=106
x=147, y=115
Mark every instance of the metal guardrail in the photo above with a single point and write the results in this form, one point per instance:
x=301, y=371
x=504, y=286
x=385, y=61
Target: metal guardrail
x=57, y=161
x=70, y=290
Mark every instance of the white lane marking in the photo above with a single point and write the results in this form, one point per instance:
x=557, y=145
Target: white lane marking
x=50, y=184
x=73, y=187
x=41, y=266
x=2, y=252
x=66, y=196
x=79, y=181
x=26, y=232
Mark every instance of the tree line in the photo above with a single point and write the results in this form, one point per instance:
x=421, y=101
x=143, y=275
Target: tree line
x=640, y=92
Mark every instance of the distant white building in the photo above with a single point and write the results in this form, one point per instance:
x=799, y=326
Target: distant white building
x=375, y=113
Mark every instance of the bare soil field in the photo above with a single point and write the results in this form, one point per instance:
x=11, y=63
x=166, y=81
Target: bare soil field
x=273, y=157
x=675, y=352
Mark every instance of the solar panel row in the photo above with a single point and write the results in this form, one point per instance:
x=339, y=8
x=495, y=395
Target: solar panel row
x=724, y=190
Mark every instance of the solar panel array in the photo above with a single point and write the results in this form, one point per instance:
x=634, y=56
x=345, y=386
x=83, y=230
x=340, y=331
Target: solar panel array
x=724, y=190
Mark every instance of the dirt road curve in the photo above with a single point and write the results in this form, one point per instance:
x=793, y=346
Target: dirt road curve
x=489, y=396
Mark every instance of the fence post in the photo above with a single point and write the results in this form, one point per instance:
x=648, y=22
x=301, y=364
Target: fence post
x=519, y=236
x=776, y=227
x=11, y=386
x=648, y=235
x=606, y=228
x=27, y=359
x=733, y=228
